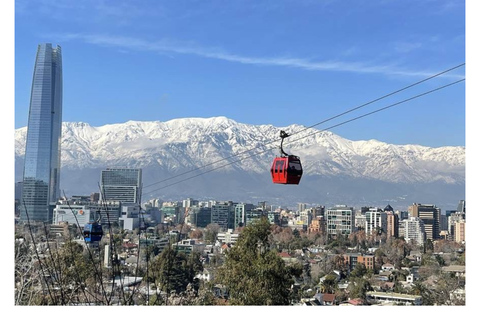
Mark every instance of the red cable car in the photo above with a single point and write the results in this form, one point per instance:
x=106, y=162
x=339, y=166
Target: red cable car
x=286, y=169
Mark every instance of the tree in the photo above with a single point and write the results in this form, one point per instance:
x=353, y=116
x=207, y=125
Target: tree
x=395, y=250
x=196, y=234
x=211, y=232
x=282, y=237
x=173, y=271
x=359, y=287
x=359, y=271
x=329, y=284
x=253, y=273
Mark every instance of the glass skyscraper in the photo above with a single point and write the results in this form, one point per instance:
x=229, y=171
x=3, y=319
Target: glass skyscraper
x=121, y=184
x=41, y=175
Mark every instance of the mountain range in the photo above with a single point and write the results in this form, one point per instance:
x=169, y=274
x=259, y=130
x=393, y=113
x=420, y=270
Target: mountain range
x=220, y=159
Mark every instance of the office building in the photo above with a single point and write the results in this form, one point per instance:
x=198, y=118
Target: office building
x=189, y=202
x=121, y=184
x=402, y=215
x=430, y=215
x=318, y=225
x=223, y=214
x=228, y=237
x=200, y=216
x=360, y=220
x=130, y=217
x=254, y=215
x=392, y=222
x=453, y=219
x=172, y=212
x=41, y=174
x=241, y=212
x=108, y=211
x=461, y=206
x=413, y=229
x=392, y=225
x=301, y=207
x=73, y=214
x=340, y=220
x=443, y=223
x=273, y=217
x=459, y=233
x=375, y=221
x=306, y=217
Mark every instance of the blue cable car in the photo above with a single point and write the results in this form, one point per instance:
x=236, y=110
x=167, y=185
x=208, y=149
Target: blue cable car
x=92, y=232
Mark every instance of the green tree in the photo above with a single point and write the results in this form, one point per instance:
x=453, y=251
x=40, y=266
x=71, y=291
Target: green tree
x=426, y=293
x=173, y=271
x=211, y=232
x=358, y=288
x=329, y=284
x=359, y=271
x=253, y=273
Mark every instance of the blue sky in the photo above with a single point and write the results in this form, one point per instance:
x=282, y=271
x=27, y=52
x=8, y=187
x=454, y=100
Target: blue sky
x=273, y=62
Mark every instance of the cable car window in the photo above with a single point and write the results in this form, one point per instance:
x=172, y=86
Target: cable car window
x=295, y=165
x=279, y=166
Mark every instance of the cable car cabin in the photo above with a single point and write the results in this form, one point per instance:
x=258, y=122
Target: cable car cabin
x=92, y=232
x=286, y=170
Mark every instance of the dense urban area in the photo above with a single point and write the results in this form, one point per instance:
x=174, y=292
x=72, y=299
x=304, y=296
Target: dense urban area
x=225, y=253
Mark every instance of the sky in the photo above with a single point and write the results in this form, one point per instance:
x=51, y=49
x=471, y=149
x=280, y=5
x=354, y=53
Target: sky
x=277, y=62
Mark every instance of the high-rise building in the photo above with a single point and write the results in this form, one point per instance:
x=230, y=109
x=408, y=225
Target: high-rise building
x=189, y=202
x=392, y=222
x=375, y=221
x=340, y=220
x=241, y=212
x=41, y=174
x=459, y=231
x=430, y=215
x=254, y=215
x=318, y=224
x=413, y=229
x=453, y=219
x=461, y=206
x=392, y=225
x=223, y=214
x=302, y=207
x=121, y=184
x=200, y=216
x=360, y=220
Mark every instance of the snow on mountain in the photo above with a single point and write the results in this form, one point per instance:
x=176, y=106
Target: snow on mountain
x=225, y=146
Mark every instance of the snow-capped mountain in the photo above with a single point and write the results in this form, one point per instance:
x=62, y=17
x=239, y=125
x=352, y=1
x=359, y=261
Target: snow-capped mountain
x=219, y=158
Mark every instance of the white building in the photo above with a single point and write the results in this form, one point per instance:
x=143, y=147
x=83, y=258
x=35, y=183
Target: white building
x=375, y=220
x=129, y=218
x=72, y=214
x=340, y=220
x=413, y=229
x=227, y=237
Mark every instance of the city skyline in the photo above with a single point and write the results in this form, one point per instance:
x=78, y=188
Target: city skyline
x=255, y=63
x=41, y=175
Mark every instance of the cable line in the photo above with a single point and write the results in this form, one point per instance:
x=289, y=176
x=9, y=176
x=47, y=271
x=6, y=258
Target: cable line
x=314, y=133
x=309, y=127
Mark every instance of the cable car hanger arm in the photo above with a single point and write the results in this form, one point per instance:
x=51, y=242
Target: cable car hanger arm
x=283, y=135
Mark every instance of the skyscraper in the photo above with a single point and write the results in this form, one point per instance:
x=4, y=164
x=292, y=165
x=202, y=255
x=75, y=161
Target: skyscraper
x=430, y=215
x=41, y=175
x=121, y=184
